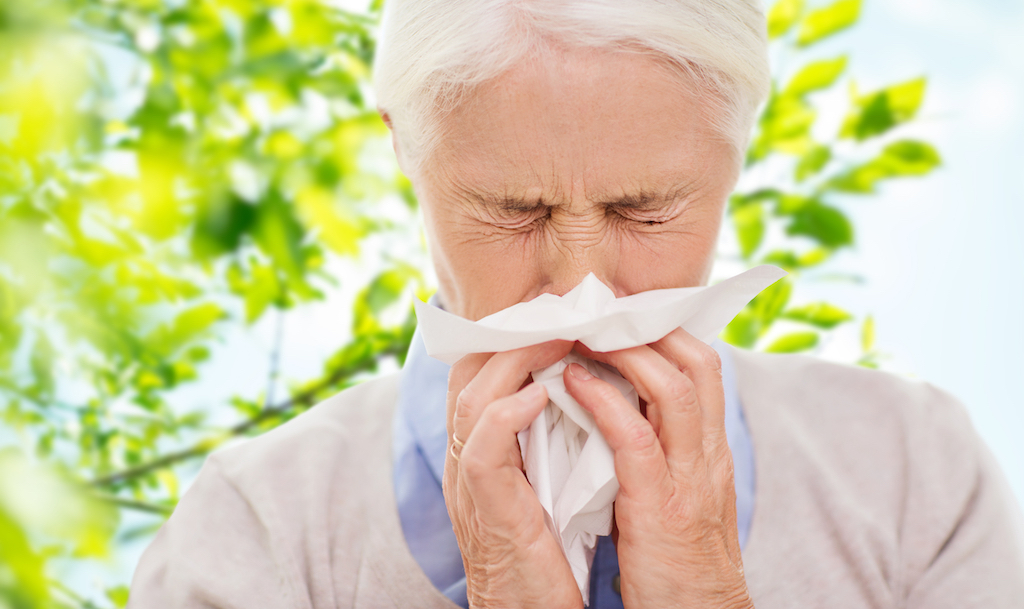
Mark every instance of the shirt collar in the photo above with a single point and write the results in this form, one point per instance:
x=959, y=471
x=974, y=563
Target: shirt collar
x=423, y=392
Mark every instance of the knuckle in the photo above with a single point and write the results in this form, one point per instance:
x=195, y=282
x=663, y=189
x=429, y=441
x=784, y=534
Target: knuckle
x=500, y=415
x=725, y=473
x=462, y=371
x=471, y=466
x=710, y=359
x=466, y=401
x=641, y=438
x=681, y=387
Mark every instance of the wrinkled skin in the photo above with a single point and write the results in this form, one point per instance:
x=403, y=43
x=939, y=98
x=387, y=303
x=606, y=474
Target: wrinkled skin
x=585, y=161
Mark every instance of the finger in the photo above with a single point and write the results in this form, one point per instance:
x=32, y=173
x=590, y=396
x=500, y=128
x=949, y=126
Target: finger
x=501, y=375
x=460, y=374
x=703, y=365
x=496, y=489
x=483, y=462
x=670, y=393
x=639, y=459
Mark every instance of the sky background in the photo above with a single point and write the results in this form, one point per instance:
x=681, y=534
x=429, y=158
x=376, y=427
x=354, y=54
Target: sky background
x=944, y=256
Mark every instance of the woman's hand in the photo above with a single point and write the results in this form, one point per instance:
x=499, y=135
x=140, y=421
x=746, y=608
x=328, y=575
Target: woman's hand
x=511, y=558
x=675, y=513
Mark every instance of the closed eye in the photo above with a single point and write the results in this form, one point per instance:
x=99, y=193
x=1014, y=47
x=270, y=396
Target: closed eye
x=521, y=218
x=645, y=218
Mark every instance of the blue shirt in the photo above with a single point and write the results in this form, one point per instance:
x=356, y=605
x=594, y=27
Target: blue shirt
x=420, y=444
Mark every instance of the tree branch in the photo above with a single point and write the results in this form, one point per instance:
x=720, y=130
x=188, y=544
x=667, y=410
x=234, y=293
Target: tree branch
x=394, y=345
x=203, y=447
x=132, y=504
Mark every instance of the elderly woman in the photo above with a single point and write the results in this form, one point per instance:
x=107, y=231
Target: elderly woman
x=548, y=139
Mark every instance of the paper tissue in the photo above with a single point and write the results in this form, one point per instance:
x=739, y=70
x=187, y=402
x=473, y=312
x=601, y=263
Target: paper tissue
x=567, y=461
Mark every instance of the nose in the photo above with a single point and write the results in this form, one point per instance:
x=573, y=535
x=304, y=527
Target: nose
x=575, y=247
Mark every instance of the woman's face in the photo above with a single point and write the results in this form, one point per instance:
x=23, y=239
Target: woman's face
x=583, y=162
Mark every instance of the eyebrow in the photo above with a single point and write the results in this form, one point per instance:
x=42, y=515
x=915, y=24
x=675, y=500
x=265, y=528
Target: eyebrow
x=641, y=201
x=511, y=204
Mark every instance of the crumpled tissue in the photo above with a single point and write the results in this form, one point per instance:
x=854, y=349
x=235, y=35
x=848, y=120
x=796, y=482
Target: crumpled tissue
x=567, y=460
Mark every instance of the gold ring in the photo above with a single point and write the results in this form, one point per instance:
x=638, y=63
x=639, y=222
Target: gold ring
x=455, y=442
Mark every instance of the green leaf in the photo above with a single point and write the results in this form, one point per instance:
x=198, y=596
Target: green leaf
x=742, y=331
x=738, y=200
x=118, y=595
x=769, y=303
x=220, y=225
x=188, y=326
x=911, y=158
x=759, y=315
x=24, y=583
x=386, y=288
x=816, y=76
x=785, y=127
x=261, y=291
x=42, y=365
x=826, y=225
x=813, y=162
x=868, y=361
x=867, y=334
x=822, y=315
x=814, y=257
x=787, y=205
x=793, y=343
x=782, y=16
x=878, y=112
x=318, y=210
x=905, y=158
x=749, y=222
x=279, y=234
x=782, y=258
x=382, y=292
x=827, y=21
x=197, y=319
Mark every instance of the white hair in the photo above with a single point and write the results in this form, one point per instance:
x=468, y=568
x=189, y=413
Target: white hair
x=431, y=52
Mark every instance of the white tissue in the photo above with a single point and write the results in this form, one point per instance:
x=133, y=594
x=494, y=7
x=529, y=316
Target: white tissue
x=567, y=460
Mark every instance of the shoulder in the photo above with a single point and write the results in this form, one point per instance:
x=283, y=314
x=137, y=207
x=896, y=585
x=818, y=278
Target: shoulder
x=884, y=435
x=315, y=443
x=876, y=481
x=281, y=509
x=821, y=388
x=866, y=415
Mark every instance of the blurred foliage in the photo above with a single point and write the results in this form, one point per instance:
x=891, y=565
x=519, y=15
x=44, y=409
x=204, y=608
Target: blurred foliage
x=135, y=232
x=815, y=172
x=173, y=169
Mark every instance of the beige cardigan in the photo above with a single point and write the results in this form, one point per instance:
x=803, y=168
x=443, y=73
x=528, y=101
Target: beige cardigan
x=871, y=491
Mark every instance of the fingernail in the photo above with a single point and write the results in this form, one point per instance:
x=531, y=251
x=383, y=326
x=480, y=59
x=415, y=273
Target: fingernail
x=580, y=372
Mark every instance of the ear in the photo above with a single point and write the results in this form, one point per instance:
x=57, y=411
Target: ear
x=394, y=137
